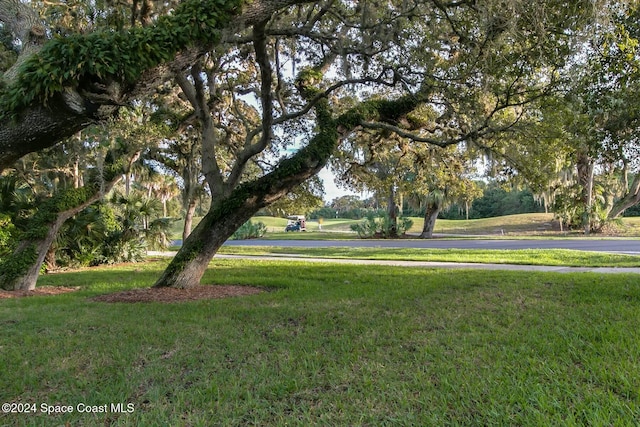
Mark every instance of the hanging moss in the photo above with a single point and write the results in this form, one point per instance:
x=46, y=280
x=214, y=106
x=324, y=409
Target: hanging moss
x=114, y=56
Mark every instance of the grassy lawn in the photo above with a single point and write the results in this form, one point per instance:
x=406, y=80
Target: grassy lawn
x=535, y=224
x=512, y=226
x=310, y=235
x=552, y=257
x=330, y=345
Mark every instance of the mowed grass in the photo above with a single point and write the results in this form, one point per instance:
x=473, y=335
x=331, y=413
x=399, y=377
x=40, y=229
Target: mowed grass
x=509, y=224
x=551, y=257
x=513, y=226
x=539, y=223
x=331, y=345
x=533, y=224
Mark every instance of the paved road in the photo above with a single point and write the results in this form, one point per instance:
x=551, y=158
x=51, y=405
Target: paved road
x=450, y=265
x=429, y=264
x=629, y=246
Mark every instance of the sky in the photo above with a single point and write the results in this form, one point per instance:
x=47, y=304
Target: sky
x=331, y=190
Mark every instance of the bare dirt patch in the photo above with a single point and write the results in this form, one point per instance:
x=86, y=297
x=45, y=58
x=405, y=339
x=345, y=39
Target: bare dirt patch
x=168, y=295
x=44, y=290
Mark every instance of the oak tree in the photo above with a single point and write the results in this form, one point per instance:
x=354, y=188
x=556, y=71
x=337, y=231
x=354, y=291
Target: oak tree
x=351, y=66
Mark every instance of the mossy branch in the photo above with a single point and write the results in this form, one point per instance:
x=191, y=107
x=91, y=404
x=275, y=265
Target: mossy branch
x=110, y=56
x=16, y=265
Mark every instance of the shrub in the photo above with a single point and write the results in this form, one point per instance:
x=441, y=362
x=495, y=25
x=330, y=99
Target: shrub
x=381, y=227
x=102, y=235
x=249, y=230
x=6, y=230
x=367, y=228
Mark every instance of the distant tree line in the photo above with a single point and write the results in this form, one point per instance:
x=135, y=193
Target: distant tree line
x=495, y=201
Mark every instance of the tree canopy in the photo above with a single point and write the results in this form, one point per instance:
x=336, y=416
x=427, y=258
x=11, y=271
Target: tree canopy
x=259, y=78
x=436, y=49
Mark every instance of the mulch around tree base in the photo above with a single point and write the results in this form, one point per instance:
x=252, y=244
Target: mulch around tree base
x=148, y=294
x=44, y=290
x=175, y=295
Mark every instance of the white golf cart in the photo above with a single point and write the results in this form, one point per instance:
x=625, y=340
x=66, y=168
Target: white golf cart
x=296, y=223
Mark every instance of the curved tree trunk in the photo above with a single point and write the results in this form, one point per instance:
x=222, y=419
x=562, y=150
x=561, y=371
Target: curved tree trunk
x=630, y=199
x=31, y=253
x=20, y=271
x=586, y=170
x=188, y=266
x=26, y=249
x=226, y=215
x=37, y=129
x=393, y=213
x=228, y=212
x=430, y=217
x=188, y=218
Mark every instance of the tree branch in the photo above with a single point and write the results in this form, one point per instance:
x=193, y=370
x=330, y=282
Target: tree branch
x=405, y=134
x=266, y=101
x=22, y=21
x=210, y=166
x=36, y=126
